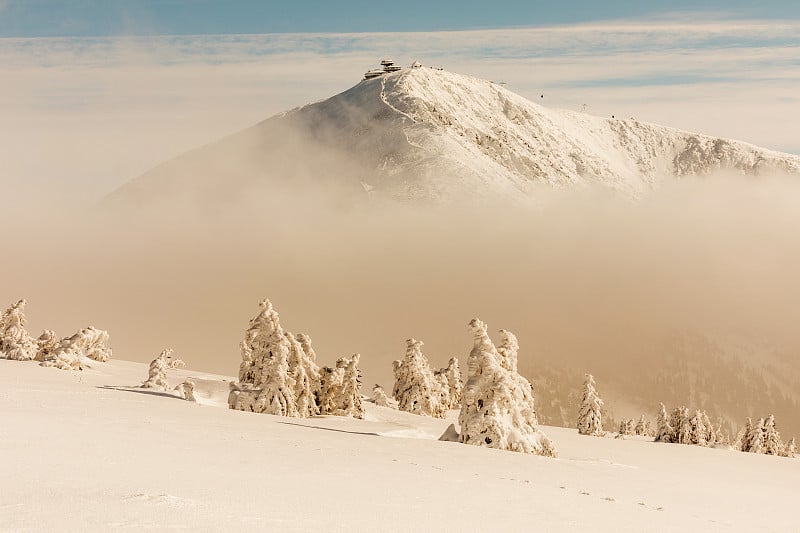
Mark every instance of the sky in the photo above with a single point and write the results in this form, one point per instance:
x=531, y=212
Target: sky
x=94, y=93
x=38, y=18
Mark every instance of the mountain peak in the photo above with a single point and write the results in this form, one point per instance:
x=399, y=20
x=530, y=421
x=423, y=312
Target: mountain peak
x=425, y=134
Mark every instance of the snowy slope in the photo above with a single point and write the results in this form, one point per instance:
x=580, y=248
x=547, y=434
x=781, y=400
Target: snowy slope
x=84, y=452
x=434, y=135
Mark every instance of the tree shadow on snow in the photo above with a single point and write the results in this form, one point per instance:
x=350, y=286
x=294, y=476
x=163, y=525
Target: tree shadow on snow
x=368, y=433
x=140, y=391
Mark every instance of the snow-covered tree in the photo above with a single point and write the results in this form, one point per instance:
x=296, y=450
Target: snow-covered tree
x=642, y=427
x=773, y=445
x=416, y=388
x=508, y=350
x=15, y=342
x=350, y=396
x=743, y=439
x=176, y=363
x=305, y=375
x=340, y=388
x=681, y=423
x=710, y=432
x=790, y=450
x=157, y=373
x=186, y=391
x=265, y=365
x=442, y=388
x=65, y=354
x=697, y=432
x=455, y=385
x=380, y=398
x=755, y=438
x=94, y=343
x=76, y=351
x=664, y=430
x=47, y=344
x=495, y=409
x=590, y=420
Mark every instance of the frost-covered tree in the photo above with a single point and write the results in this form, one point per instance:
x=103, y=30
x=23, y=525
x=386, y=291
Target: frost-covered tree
x=508, y=350
x=330, y=381
x=350, y=396
x=743, y=439
x=94, y=343
x=340, y=388
x=380, y=398
x=773, y=445
x=495, y=409
x=416, y=388
x=15, y=342
x=455, y=385
x=442, y=389
x=590, y=420
x=157, y=373
x=264, y=371
x=790, y=450
x=278, y=374
x=664, y=430
x=755, y=438
x=305, y=375
x=186, y=391
x=697, y=430
x=686, y=428
x=710, y=432
x=642, y=427
x=46, y=346
x=75, y=352
x=64, y=354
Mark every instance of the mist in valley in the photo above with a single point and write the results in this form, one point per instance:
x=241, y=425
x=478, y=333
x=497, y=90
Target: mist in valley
x=685, y=296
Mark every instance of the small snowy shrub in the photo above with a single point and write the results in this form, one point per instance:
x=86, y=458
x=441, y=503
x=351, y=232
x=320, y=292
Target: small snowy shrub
x=186, y=391
x=15, y=342
x=790, y=450
x=157, y=373
x=94, y=343
x=47, y=344
x=380, y=398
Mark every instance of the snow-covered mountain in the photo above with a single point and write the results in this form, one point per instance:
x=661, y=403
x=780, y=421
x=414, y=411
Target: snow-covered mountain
x=427, y=134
